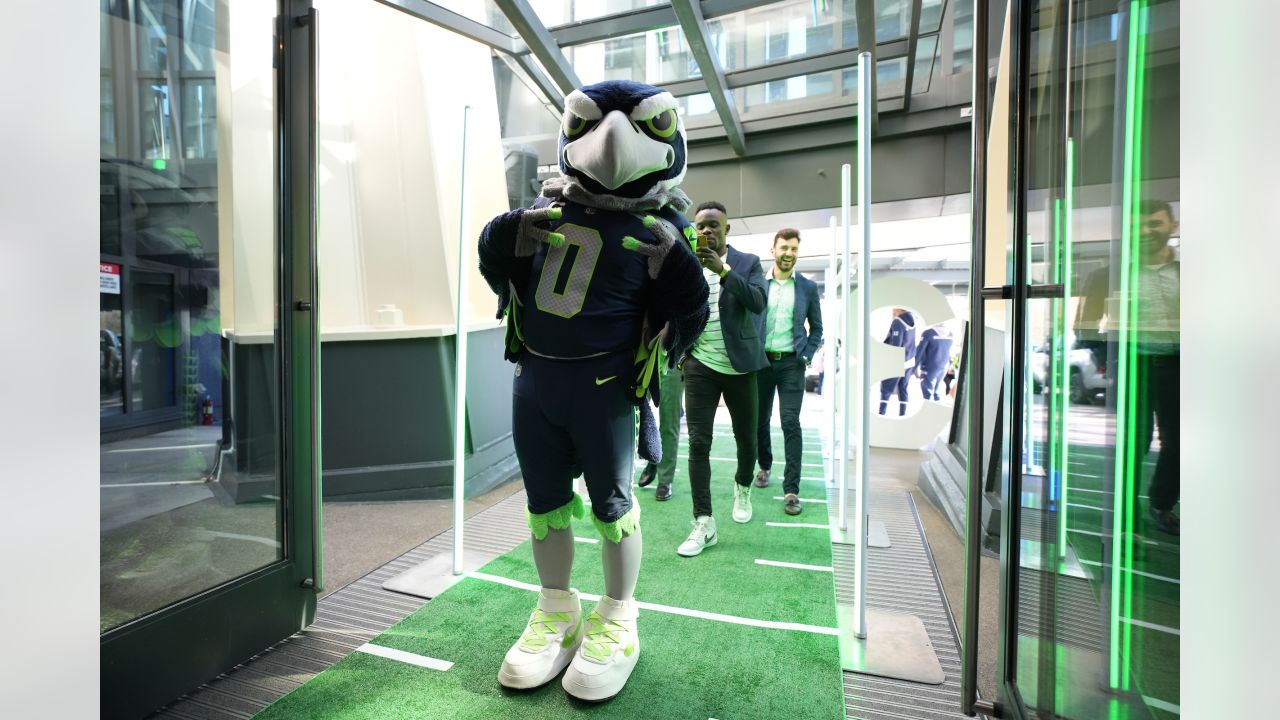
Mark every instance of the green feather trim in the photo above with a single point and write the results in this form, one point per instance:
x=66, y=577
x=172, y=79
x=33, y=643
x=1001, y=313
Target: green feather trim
x=626, y=525
x=692, y=236
x=557, y=519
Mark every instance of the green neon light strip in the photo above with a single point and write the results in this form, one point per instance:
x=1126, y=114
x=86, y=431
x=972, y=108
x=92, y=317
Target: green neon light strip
x=1126, y=451
x=1057, y=468
x=1134, y=473
x=1067, y=273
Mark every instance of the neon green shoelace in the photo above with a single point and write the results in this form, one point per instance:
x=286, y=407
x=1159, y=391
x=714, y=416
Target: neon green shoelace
x=601, y=636
x=541, y=628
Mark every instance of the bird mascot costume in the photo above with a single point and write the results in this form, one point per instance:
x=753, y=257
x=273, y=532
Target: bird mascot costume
x=598, y=284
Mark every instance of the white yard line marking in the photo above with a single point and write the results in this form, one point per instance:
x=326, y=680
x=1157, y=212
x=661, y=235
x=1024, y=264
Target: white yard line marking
x=797, y=566
x=155, y=484
x=686, y=612
x=1152, y=626
x=1162, y=705
x=803, y=500
x=1153, y=576
x=734, y=460
x=589, y=541
x=405, y=657
x=167, y=447
x=251, y=538
x=815, y=526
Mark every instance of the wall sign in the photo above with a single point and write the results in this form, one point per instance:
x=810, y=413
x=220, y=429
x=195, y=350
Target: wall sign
x=108, y=278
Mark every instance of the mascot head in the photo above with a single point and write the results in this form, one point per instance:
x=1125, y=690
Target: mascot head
x=622, y=138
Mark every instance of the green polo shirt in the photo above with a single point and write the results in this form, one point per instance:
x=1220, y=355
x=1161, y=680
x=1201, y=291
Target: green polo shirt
x=781, y=314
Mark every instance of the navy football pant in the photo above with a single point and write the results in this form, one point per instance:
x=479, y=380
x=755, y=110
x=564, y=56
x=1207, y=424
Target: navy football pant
x=570, y=414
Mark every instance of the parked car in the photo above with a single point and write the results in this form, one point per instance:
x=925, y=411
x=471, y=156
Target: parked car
x=1087, y=382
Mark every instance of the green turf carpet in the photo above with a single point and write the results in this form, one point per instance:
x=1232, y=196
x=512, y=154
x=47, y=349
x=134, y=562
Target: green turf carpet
x=690, y=667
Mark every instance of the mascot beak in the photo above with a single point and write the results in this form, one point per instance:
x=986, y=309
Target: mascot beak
x=616, y=152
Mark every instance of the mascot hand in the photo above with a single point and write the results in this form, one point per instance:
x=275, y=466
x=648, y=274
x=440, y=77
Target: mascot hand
x=660, y=231
x=531, y=219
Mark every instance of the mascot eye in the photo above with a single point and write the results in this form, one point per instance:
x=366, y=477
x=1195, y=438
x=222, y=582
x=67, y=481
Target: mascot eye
x=575, y=125
x=662, y=125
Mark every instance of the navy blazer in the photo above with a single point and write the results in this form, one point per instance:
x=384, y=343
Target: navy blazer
x=805, y=342
x=743, y=300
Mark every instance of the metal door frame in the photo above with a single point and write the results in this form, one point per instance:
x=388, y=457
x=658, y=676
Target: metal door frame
x=156, y=658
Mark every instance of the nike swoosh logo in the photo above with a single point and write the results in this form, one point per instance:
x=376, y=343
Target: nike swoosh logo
x=601, y=382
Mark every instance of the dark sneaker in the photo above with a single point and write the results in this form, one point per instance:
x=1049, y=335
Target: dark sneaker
x=762, y=479
x=646, y=477
x=1166, y=521
x=791, y=504
x=663, y=492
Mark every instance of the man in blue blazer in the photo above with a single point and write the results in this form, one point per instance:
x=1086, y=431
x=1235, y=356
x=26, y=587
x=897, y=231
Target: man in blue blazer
x=723, y=362
x=789, y=346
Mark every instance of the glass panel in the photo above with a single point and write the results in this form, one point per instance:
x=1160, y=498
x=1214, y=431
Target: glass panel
x=653, y=57
x=962, y=45
x=189, y=405
x=157, y=135
x=199, y=120
x=1100, y=539
x=111, y=340
x=784, y=31
x=893, y=19
x=485, y=12
x=151, y=35
x=931, y=15
x=154, y=339
x=563, y=12
x=926, y=60
x=199, y=33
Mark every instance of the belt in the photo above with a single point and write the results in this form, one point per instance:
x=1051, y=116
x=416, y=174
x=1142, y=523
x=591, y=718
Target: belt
x=778, y=355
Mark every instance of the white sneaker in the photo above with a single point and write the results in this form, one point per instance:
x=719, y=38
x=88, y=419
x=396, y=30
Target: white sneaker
x=703, y=536
x=548, y=643
x=610, y=649
x=741, y=503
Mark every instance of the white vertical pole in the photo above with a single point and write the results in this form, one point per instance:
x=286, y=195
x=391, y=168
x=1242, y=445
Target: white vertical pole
x=829, y=362
x=846, y=397
x=864, y=299
x=460, y=370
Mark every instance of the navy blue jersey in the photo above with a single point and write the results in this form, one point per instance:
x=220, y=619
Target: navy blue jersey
x=589, y=295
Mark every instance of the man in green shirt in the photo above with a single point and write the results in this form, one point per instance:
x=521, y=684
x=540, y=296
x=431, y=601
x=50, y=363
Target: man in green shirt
x=789, y=346
x=723, y=363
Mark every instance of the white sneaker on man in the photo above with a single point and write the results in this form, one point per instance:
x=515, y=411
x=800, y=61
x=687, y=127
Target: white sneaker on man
x=741, y=503
x=610, y=649
x=703, y=536
x=549, y=641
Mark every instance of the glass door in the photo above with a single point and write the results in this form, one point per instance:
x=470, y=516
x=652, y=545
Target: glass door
x=1090, y=587
x=206, y=343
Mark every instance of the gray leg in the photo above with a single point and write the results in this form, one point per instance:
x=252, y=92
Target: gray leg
x=621, y=566
x=554, y=557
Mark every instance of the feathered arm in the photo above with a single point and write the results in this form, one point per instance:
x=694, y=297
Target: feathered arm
x=508, y=241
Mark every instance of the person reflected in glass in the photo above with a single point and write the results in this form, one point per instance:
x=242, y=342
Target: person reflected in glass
x=1156, y=340
x=902, y=333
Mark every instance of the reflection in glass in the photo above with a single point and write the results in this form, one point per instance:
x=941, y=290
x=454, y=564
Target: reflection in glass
x=189, y=495
x=1100, y=536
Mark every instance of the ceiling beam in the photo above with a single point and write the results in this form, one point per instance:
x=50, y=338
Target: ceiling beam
x=694, y=25
x=866, y=16
x=796, y=67
x=643, y=20
x=546, y=88
x=459, y=24
x=540, y=42
x=913, y=41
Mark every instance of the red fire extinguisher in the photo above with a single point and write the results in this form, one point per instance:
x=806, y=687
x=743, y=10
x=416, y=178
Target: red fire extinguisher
x=206, y=411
